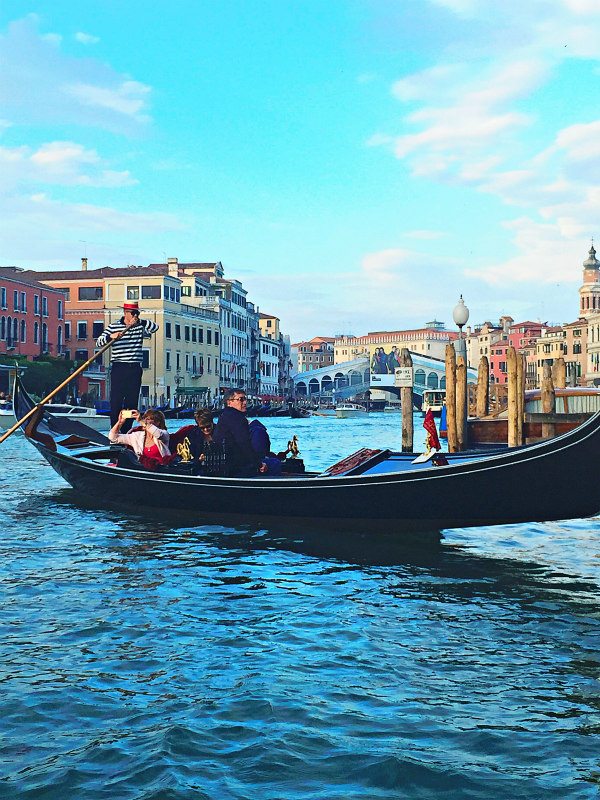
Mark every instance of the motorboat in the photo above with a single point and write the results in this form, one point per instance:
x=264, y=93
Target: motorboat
x=372, y=488
x=99, y=422
x=433, y=400
x=349, y=410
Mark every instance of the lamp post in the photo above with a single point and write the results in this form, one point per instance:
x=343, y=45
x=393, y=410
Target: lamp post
x=461, y=317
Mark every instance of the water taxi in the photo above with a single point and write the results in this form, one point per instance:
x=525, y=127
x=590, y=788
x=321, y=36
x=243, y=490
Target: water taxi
x=347, y=410
x=433, y=400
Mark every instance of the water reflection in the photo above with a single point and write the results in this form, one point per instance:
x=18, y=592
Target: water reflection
x=459, y=573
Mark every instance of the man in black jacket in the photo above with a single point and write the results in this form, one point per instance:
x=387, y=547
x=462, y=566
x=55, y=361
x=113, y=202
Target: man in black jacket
x=232, y=431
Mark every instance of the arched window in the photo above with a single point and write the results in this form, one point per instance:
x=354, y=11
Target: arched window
x=23, y=331
x=9, y=340
x=420, y=377
x=313, y=386
x=36, y=332
x=3, y=328
x=432, y=381
x=59, y=340
x=44, y=337
x=15, y=330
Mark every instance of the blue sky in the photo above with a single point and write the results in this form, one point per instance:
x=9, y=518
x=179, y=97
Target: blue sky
x=358, y=164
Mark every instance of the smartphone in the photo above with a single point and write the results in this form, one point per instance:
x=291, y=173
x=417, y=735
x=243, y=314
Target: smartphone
x=127, y=413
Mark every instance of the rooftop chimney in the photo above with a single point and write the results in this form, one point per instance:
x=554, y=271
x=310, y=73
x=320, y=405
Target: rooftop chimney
x=173, y=267
x=84, y=264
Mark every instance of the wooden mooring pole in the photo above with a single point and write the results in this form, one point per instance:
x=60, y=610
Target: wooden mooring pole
x=548, y=400
x=406, y=402
x=513, y=401
x=520, y=398
x=483, y=388
x=451, y=398
x=461, y=403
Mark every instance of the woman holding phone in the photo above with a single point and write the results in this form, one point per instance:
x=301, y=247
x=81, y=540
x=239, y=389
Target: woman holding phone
x=150, y=443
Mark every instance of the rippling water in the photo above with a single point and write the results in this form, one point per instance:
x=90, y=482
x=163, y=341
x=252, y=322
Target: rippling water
x=143, y=657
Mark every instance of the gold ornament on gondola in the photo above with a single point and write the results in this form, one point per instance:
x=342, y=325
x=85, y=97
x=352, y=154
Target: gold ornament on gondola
x=183, y=450
x=292, y=446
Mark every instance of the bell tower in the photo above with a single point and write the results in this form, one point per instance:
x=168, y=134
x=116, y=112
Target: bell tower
x=589, y=293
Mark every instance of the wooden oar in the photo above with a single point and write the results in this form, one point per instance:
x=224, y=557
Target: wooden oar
x=54, y=392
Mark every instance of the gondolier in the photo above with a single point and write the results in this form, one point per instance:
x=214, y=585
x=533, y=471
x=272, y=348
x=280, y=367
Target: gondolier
x=126, y=359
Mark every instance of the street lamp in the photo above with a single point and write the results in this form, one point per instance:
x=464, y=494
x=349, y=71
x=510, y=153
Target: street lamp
x=461, y=317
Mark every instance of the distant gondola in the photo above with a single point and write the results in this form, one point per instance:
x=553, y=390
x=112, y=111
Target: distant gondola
x=554, y=479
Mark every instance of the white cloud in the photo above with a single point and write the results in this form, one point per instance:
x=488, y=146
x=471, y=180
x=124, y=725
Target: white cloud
x=86, y=38
x=128, y=98
x=61, y=163
x=38, y=85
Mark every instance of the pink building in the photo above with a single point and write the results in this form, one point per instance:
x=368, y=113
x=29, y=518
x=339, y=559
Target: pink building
x=521, y=336
x=31, y=316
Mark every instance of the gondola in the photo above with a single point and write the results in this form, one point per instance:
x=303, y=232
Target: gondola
x=550, y=480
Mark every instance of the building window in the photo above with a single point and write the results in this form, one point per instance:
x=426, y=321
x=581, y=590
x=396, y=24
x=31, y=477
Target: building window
x=208, y=336
x=145, y=358
x=200, y=335
x=132, y=293
x=186, y=291
x=81, y=355
x=97, y=328
x=82, y=330
x=168, y=359
x=23, y=331
x=187, y=362
x=177, y=362
x=90, y=293
x=44, y=306
x=67, y=331
x=60, y=309
x=177, y=331
x=36, y=332
x=23, y=301
x=186, y=333
x=216, y=337
x=3, y=297
x=194, y=334
x=151, y=292
x=36, y=304
x=167, y=330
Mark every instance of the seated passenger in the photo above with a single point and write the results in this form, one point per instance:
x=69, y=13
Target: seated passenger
x=232, y=432
x=150, y=443
x=261, y=442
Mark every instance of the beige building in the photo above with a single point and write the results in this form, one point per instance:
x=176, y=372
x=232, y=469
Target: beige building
x=183, y=357
x=548, y=347
x=429, y=342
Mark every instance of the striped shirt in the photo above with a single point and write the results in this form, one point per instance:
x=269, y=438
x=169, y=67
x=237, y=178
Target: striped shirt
x=128, y=348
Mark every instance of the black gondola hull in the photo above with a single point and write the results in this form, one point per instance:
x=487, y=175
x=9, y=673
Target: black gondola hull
x=556, y=479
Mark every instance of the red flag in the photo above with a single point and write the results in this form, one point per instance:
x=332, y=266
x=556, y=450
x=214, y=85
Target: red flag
x=429, y=425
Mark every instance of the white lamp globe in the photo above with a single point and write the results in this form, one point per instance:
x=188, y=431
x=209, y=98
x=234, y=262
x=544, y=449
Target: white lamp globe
x=460, y=313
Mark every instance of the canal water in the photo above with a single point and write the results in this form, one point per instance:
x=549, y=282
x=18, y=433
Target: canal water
x=143, y=655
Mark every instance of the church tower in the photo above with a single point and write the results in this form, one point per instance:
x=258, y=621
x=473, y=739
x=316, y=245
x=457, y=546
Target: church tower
x=589, y=293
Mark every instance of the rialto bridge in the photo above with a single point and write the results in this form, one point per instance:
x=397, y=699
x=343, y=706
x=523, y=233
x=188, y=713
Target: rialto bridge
x=342, y=381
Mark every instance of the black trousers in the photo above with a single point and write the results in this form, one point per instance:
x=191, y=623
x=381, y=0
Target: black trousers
x=125, y=383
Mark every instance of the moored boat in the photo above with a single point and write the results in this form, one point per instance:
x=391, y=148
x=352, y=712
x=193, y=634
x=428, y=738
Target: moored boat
x=371, y=488
x=350, y=410
x=99, y=422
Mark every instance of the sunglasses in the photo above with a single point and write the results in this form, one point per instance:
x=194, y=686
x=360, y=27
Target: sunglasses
x=239, y=400
x=206, y=427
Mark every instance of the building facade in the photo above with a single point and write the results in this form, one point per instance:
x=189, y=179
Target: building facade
x=32, y=316
x=313, y=354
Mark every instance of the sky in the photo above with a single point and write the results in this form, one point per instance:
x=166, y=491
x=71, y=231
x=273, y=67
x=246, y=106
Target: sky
x=357, y=164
